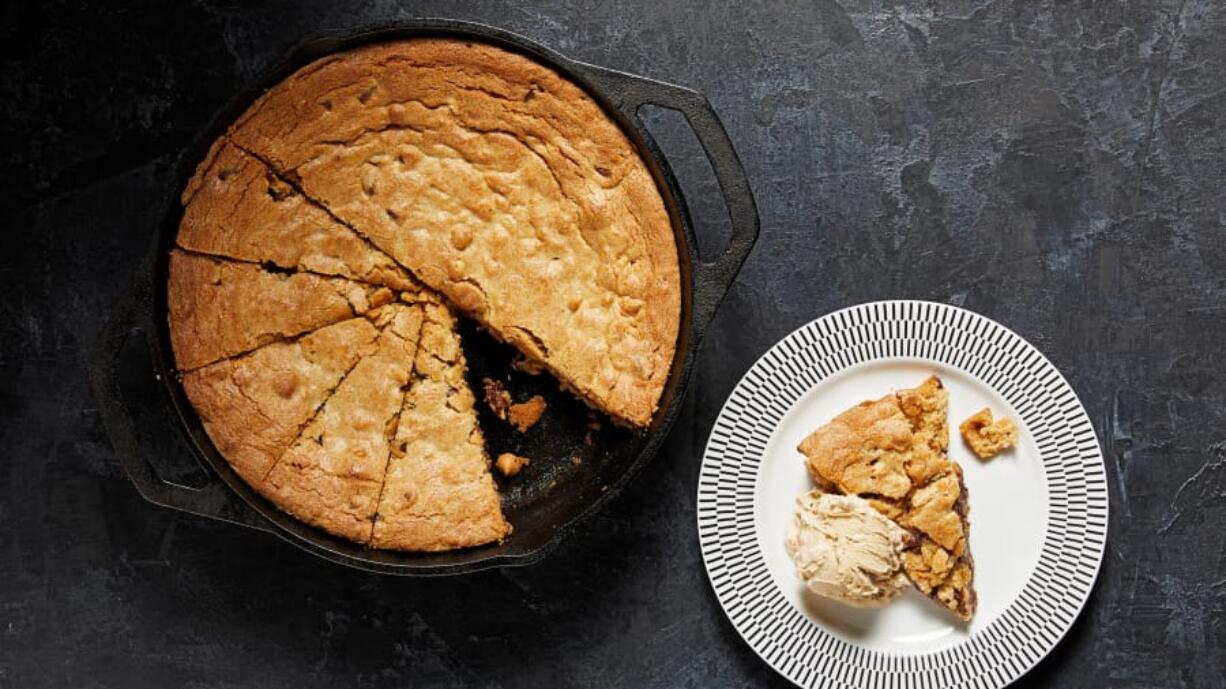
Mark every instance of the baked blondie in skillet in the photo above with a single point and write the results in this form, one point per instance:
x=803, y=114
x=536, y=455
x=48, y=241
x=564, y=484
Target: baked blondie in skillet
x=539, y=504
x=499, y=183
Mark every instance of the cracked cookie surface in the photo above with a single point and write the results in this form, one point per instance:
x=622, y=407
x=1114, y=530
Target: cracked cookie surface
x=236, y=207
x=219, y=308
x=502, y=185
x=331, y=475
x=255, y=405
x=893, y=452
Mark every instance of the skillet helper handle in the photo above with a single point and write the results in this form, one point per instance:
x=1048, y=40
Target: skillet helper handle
x=214, y=499
x=712, y=279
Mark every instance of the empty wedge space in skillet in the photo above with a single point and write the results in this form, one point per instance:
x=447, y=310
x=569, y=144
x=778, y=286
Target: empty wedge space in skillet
x=235, y=207
x=219, y=309
x=502, y=185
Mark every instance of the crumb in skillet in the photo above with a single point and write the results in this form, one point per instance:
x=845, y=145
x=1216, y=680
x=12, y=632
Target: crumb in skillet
x=510, y=464
x=497, y=397
x=525, y=365
x=524, y=415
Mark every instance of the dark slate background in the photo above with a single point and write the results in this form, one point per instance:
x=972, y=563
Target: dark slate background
x=1059, y=167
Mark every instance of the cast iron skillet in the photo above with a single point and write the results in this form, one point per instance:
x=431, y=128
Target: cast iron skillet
x=578, y=463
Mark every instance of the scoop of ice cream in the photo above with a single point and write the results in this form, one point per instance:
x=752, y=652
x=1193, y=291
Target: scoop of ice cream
x=846, y=550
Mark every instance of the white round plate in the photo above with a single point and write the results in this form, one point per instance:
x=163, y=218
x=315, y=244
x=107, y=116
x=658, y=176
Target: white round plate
x=1038, y=512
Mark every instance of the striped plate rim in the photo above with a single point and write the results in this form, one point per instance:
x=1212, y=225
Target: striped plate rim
x=1073, y=546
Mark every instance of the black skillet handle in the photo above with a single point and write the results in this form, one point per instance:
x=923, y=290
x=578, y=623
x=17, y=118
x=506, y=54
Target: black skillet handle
x=214, y=499
x=712, y=279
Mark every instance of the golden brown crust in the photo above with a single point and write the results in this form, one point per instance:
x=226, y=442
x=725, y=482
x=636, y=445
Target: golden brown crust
x=438, y=493
x=219, y=309
x=930, y=509
x=254, y=406
x=892, y=451
x=987, y=437
x=332, y=474
x=235, y=207
x=863, y=450
x=504, y=186
x=927, y=408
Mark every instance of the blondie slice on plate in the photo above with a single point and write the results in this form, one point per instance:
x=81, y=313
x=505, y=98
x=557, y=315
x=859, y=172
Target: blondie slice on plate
x=892, y=452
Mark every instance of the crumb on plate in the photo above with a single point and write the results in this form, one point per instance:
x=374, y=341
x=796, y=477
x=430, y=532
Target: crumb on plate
x=988, y=437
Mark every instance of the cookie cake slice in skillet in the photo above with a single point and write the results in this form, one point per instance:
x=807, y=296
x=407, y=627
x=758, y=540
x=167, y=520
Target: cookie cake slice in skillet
x=219, y=308
x=438, y=492
x=235, y=207
x=253, y=406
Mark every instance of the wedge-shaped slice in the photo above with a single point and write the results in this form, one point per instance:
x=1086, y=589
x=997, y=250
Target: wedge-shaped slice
x=219, y=309
x=235, y=207
x=254, y=406
x=438, y=492
x=501, y=184
x=893, y=452
x=330, y=477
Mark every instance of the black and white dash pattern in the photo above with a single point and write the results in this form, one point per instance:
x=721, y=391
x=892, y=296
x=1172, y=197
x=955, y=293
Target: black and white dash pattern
x=1076, y=487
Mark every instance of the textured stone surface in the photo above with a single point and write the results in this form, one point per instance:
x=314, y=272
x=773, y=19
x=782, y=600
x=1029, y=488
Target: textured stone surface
x=1058, y=167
